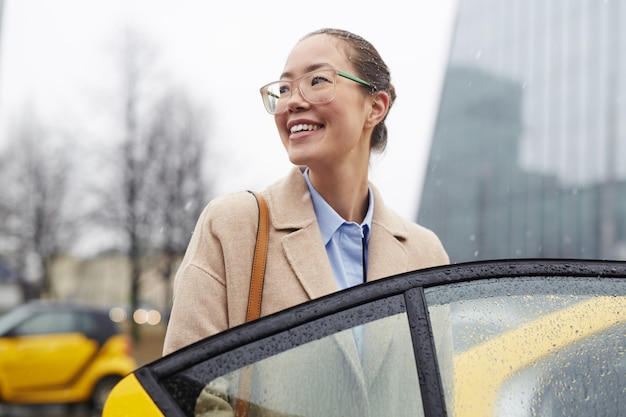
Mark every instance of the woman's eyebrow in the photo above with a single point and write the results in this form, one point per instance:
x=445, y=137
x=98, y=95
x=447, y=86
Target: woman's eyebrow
x=310, y=68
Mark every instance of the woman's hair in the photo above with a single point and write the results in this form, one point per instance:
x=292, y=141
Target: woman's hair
x=371, y=68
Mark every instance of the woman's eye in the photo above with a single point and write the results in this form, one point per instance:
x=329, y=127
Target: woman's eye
x=319, y=79
x=284, y=89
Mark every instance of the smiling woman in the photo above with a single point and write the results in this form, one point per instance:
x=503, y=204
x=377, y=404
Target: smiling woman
x=329, y=227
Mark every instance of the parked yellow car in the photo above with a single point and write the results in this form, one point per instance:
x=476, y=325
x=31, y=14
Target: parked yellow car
x=510, y=338
x=61, y=353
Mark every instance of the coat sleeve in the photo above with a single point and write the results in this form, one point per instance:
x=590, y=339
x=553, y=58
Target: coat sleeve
x=211, y=285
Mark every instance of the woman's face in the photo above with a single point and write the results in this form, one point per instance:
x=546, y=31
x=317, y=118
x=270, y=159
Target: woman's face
x=341, y=131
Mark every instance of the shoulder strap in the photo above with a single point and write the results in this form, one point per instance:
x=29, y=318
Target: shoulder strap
x=259, y=260
x=254, y=298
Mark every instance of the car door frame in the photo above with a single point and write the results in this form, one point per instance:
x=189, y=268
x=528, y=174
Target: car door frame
x=411, y=286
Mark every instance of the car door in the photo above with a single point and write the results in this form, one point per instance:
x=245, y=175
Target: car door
x=45, y=351
x=501, y=338
x=346, y=356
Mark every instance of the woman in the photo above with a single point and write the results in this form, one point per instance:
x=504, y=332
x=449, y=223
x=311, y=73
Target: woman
x=329, y=226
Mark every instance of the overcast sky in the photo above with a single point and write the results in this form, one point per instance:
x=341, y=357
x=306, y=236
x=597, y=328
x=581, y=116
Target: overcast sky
x=56, y=59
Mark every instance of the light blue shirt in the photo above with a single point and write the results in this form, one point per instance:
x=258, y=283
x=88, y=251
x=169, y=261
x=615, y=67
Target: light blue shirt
x=345, y=242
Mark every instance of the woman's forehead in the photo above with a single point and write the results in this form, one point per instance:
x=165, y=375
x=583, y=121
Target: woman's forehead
x=315, y=50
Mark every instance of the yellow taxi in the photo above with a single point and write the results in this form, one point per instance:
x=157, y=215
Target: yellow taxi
x=61, y=353
x=506, y=338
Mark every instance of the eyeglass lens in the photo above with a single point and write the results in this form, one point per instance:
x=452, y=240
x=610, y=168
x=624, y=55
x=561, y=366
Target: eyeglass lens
x=317, y=87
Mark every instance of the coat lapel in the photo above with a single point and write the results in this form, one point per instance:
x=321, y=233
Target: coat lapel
x=308, y=259
x=386, y=254
x=292, y=211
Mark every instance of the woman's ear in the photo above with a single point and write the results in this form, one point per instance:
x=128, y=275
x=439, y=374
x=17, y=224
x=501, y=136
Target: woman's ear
x=379, y=108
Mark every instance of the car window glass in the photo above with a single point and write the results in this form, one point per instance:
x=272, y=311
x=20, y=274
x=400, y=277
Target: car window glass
x=86, y=324
x=369, y=369
x=47, y=323
x=358, y=361
x=536, y=346
x=11, y=319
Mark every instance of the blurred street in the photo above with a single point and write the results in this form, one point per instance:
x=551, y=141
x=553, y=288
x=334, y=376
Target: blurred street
x=150, y=346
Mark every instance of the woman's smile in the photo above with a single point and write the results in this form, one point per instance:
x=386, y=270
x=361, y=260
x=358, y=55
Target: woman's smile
x=303, y=127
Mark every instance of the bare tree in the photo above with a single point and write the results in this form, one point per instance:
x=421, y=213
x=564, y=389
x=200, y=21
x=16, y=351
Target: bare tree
x=180, y=191
x=159, y=185
x=35, y=222
x=136, y=154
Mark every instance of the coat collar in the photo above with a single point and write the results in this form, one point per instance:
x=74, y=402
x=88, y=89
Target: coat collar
x=291, y=210
x=291, y=207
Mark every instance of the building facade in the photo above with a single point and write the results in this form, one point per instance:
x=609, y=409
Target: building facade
x=531, y=131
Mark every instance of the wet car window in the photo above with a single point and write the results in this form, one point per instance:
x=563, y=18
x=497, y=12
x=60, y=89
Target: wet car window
x=369, y=367
x=532, y=346
x=354, y=363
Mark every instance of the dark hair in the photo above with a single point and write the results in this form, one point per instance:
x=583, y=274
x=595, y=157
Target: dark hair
x=371, y=68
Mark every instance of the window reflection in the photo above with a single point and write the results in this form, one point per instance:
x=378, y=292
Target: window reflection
x=331, y=376
x=551, y=352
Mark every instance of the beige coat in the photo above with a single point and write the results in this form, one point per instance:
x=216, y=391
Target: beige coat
x=211, y=286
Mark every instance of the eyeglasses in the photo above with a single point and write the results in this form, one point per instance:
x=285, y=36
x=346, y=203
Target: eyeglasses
x=316, y=87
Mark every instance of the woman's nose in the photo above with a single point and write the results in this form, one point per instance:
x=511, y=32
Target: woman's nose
x=297, y=100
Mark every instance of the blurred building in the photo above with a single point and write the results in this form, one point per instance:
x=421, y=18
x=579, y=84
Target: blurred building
x=105, y=279
x=531, y=130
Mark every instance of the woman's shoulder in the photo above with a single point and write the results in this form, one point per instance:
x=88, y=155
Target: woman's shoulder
x=418, y=239
x=232, y=203
x=392, y=221
x=426, y=242
x=409, y=228
x=230, y=210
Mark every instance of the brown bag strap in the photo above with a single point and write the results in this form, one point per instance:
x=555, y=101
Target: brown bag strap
x=254, y=297
x=259, y=260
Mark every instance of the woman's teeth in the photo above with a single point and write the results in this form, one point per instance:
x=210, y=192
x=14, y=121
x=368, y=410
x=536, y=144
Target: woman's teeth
x=301, y=127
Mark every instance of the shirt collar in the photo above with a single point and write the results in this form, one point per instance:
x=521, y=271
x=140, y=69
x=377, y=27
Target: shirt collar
x=328, y=219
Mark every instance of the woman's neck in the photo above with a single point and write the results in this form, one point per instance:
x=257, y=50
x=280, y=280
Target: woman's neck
x=346, y=193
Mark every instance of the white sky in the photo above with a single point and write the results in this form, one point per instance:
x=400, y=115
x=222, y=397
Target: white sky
x=56, y=58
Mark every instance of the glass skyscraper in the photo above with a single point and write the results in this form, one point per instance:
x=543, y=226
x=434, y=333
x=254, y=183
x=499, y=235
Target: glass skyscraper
x=528, y=157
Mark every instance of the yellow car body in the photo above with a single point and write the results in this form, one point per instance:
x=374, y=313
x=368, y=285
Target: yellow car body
x=129, y=398
x=63, y=367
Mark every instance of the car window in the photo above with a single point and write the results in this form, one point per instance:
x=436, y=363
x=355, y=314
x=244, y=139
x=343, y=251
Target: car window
x=532, y=346
x=369, y=367
x=9, y=320
x=86, y=323
x=353, y=363
x=51, y=322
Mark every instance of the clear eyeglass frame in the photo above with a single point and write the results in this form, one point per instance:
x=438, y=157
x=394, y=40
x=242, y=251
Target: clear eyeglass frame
x=275, y=101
